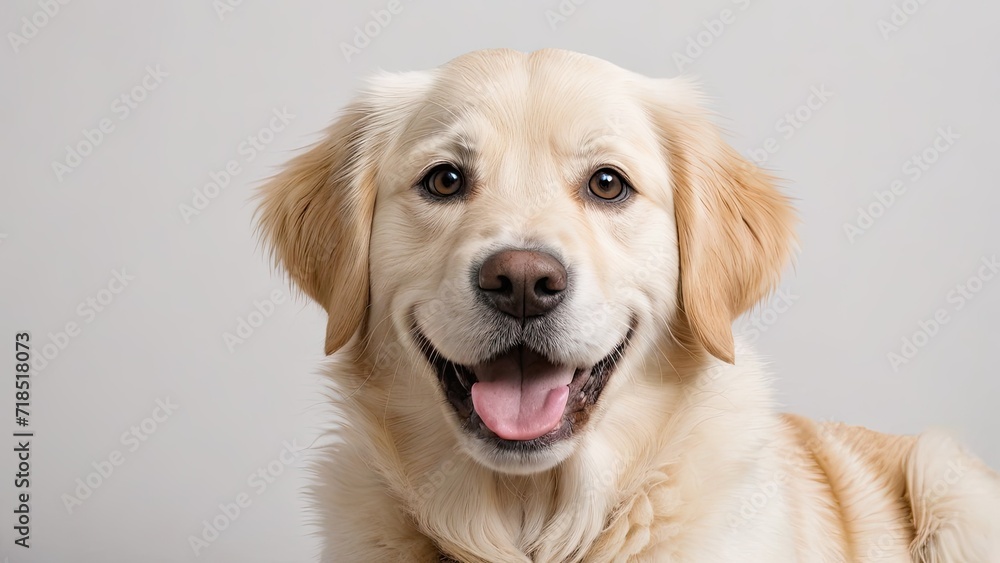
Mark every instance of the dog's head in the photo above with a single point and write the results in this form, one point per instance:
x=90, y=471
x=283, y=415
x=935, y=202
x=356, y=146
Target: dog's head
x=520, y=225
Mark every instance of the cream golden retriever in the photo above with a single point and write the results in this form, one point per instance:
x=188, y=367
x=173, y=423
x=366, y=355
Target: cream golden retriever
x=531, y=265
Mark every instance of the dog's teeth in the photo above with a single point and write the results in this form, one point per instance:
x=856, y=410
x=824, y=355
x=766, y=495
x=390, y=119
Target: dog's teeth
x=460, y=377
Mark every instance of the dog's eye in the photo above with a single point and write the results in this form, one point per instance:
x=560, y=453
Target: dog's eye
x=608, y=185
x=444, y=181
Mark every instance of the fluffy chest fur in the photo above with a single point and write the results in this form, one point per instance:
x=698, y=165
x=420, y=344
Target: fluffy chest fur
x=703, y=473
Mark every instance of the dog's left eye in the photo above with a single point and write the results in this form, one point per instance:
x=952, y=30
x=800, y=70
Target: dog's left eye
x=607, y=184
x=443, y=180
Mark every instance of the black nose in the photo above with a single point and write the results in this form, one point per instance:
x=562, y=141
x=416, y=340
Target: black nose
x=523, y=283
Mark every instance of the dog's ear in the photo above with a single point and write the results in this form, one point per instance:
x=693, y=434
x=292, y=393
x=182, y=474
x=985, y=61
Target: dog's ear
x=316, y=217
x=316, y=214
x=735, y=230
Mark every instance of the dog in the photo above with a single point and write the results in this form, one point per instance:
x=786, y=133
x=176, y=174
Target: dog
x=531, y=265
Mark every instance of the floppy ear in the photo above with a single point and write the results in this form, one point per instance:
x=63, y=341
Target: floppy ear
x=316, y=217
x=735, y=230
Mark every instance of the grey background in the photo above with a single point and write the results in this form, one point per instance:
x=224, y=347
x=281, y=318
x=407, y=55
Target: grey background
x=163, y=335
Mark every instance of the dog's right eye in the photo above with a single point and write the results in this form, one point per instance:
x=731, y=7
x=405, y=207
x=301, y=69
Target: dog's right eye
x=608, y=185
x=444, y=181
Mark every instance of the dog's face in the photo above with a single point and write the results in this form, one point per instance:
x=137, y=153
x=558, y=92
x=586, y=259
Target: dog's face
x=519, y=226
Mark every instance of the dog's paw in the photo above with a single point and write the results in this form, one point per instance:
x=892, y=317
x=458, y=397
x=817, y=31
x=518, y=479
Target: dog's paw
x=955, y=500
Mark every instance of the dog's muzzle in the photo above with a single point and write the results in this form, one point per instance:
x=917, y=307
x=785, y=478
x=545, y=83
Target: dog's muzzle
x=519, y=398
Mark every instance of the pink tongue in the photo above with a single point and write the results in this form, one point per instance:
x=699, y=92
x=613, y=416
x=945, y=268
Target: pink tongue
x=521, y=395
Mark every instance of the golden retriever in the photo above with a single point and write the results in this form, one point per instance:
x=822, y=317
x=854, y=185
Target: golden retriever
x=531, y=265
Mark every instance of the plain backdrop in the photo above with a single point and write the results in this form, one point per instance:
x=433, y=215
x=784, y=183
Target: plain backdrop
x=840, y=97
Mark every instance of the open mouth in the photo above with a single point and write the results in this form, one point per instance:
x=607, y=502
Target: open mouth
x=519, y=399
